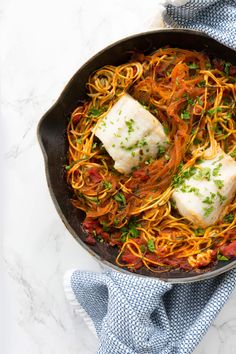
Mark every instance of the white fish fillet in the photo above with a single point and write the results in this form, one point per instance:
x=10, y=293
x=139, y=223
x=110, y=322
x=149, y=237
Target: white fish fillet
x=202, y=198
x=130, y=134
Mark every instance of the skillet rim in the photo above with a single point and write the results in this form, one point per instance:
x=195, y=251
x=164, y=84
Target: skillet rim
x=181, y=280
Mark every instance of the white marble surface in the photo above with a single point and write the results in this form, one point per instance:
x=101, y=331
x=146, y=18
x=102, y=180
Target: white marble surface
x=42, y=44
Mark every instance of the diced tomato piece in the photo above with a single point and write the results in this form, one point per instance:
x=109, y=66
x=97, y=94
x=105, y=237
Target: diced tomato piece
x=232, y=70
x=76, y=117
x=90, y=240
x=115, y=239
x=141, y=174
x=129, y=258
x=94, y=175
x=106, y=236
x=90, y=224
x=229, y=251
x=219, y=64
x=99, y=230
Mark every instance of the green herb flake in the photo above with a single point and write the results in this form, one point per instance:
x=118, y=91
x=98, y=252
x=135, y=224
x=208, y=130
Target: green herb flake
x=142, y=248
x=107, y=184
x=202, y=83
x=193, y=66
x=229, y=218
x=120, y=198
x=160, y=150
x=116, y=222
x=68, y=167
x=209, y=199
x=79, y=141
x=142, y=142
x=216, y=170
x=95, y=112
x=219, y=183
x=222, y=198
x=188, y=189
x=199, y=231
x=208, y=211
x=203, y=173
x=221, y=258
x=151, y=245
x=227, y=68
x=105, y=226
x=199, y=101
x=130, y=125
x=185, y=115
x=167, y=157
x=233, y=153
x=94, y=199
x=124, y=235
x=214, y=110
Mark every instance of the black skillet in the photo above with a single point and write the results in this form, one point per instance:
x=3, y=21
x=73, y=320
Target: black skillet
x=52, y=136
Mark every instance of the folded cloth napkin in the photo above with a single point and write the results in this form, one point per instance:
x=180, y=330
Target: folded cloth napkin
x=133, y=314
x=217, y=18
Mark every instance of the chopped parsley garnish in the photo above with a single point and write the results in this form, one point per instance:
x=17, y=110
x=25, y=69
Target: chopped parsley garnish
x=199, y=231
x=214, y=110
x=130, y=125
x=94, y=199
x=233, y=153
x=68, y=167
x=208, y=211
x=185, y=115
x=202, y=83
x=120, y=198
x=222, y=198
x=203, y=173
x=221, y=258
x=95, y=112
x=130, y=231
x=166, y=129
x=167, y=157
x=219, y=183
x=142, y=142
x=160, y=150
x=107, y=184
x=105, y=226
x=151, y=245
x=193, y=66
x=227, y=68
x=199, y=101
x=79, y=141
x=189, y=189
x=216, y=170
x=229, y=218
x=181, y=176
x=142, y=248
x=209, y=199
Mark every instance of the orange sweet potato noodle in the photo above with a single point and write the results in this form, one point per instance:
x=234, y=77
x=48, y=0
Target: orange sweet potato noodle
x=193, y=96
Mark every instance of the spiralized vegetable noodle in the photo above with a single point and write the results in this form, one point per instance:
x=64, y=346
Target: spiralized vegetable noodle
x=193, y=96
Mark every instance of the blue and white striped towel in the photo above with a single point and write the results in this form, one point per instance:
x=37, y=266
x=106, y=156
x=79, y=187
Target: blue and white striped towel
x=134, y=315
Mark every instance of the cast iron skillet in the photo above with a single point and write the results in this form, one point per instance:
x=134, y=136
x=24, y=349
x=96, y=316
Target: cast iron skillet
x=52, y=136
